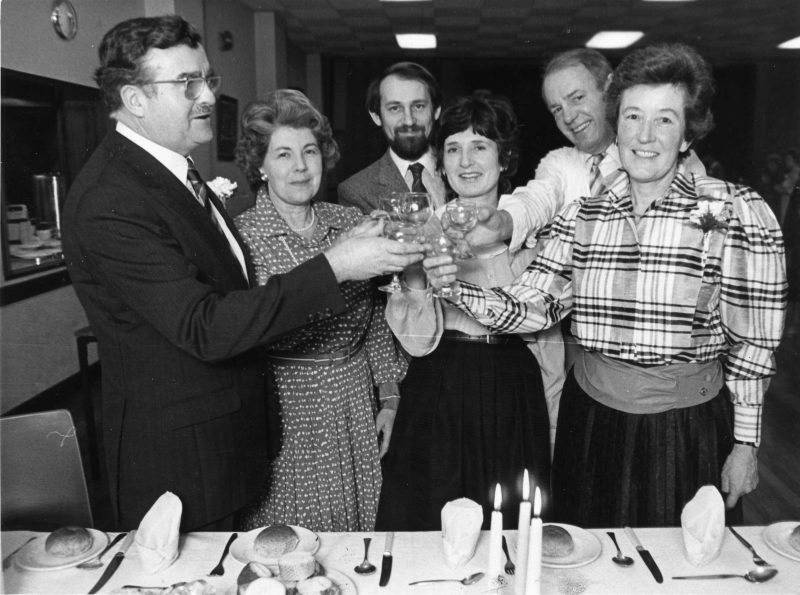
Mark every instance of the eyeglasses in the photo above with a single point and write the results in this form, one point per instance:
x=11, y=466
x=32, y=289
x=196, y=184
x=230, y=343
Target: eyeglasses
x=193, y=87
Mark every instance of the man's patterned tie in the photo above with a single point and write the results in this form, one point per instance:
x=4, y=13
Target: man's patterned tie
x=416, y=172
x=597, y=185
x=199, y=186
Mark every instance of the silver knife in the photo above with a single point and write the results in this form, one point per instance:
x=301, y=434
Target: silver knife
x=114, y=564
x=648, y=559
x=386, y=565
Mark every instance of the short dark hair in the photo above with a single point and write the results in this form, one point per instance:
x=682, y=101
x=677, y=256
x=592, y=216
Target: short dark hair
x=668, y=64
x=595, y=62
x=282, y=108
x=124, y=46
x=489, y=115
x=409, y=71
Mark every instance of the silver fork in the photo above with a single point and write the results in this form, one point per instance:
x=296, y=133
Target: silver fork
x=509, y=564
x=219, y=569
x=758, y=560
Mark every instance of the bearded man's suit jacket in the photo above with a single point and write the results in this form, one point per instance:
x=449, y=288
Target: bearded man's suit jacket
x=363, y=189
x=178, y=328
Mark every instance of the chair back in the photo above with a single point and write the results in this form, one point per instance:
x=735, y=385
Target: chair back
x=41, y=473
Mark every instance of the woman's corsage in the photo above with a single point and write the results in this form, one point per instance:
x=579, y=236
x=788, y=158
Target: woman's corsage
x=223, y=188
x=711, y=214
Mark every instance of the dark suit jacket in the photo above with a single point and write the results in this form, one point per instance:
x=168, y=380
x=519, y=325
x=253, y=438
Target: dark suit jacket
x=177, y=326
x=363, y=189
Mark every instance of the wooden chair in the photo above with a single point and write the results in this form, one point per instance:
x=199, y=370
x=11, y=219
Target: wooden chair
x=43, y=486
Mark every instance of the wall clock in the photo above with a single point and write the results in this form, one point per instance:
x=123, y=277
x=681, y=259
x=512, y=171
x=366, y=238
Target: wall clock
x=65, y=19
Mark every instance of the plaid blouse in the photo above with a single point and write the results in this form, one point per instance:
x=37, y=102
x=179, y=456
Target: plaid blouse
x=658, y=291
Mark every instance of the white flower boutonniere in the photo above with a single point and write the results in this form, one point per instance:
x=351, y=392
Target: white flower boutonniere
x=223, y=188
x=711, y=214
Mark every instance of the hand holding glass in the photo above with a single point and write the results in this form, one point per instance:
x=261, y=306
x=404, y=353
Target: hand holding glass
x=441, y=245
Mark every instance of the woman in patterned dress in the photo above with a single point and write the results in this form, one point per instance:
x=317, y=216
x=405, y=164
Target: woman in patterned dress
x=327, y=476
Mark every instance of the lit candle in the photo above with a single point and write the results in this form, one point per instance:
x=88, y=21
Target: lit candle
x=523, y=535
x=496, y=538
x=533, y=583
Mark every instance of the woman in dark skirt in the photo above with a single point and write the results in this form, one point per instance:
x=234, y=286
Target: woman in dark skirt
x=676, y=284
x=473, y=412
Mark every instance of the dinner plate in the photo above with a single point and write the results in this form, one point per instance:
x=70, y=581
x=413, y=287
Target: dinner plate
x=777, y=537
x=33, y=556
x=243, y=551
x=587, y=549
x=346, y=585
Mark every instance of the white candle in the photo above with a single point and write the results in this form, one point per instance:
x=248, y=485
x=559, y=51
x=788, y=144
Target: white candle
x=533, y=582
x=496, y=538
x=523, y=536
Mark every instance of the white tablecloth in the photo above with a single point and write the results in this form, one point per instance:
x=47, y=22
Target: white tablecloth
x=418, y=556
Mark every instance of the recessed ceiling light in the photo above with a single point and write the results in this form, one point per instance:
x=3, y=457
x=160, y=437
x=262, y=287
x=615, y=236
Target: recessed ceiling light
x=416, y=41
x=607, y=40
x=792, y=44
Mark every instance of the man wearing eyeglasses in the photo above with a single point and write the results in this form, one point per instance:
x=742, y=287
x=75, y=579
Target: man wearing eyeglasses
x=171, y=294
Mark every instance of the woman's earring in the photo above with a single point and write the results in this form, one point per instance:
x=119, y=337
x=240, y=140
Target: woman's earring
x=264, y=176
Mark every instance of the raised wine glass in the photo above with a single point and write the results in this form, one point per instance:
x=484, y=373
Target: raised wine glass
x=399, y=231
x=463, y=216
x=440, y=245
x=417, y=208
x=390, y=206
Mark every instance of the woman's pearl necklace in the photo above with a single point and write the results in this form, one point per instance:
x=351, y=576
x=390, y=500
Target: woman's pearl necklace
x=307, y=227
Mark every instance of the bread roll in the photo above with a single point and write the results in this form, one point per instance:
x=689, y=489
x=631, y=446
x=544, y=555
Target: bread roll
x=263, y=586
x=794, y=538
x=296, y=566
x=318, y=585
x=556, y=542
x=68, y=542
x=275, y=541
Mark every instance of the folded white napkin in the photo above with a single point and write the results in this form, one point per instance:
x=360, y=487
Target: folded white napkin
x=158, y=534
x=703, y=526
x=461, y=527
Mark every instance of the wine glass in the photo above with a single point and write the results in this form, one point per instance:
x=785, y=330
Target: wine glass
x=399, y=231
x=441, y=245
x=417, y=208
x=463, y=216
x=390, y=206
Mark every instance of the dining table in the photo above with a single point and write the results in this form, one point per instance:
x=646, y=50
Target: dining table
x=419, y=556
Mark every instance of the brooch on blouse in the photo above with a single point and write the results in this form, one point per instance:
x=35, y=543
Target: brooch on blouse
x=711, y=214
x=223, y=188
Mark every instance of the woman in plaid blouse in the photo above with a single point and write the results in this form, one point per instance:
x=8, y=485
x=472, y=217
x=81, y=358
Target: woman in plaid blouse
x=677, y=287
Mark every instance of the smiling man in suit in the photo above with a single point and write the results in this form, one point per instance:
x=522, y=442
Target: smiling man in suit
x=405, y=101
x=170, y=291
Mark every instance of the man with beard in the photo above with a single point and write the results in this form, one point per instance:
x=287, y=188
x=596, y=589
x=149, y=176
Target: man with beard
x=170, y=290
x=405, y=101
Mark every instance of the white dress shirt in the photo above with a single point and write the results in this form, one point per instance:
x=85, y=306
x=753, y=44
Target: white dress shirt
x=430, y=176
x=179, y=166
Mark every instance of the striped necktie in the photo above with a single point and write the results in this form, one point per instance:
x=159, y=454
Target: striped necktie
x=199, y=186
x=597, y=185
x=416, y=173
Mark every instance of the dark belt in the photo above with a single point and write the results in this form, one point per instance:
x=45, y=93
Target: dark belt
x=487, y=339
x=335, y=358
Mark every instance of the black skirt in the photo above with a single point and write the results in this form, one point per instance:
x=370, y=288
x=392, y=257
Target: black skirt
x=616, y=469
x=471, y=416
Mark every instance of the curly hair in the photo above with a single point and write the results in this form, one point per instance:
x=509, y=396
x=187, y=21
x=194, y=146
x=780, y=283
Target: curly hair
x=281, y=108
x=124, y=46
x=408, y=71
x=489, y=115
x=592, y=60
x=668, y=64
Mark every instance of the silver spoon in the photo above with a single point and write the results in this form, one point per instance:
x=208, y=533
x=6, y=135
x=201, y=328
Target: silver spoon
x=471, y=579
x=759, y=575
x=365, y=567
x=619, y=558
